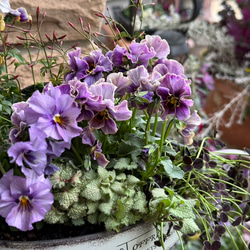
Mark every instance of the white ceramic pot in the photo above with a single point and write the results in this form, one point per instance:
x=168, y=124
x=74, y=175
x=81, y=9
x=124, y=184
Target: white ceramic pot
x=139, y=237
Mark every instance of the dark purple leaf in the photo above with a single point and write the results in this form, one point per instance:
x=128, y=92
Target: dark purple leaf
x=237, y=221
x=223, y=217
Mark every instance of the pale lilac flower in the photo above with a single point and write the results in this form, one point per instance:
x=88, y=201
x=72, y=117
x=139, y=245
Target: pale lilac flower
x=18, y=119
x=164, y=66
x=121, y=82
x=5, y=8
x=191, y=124
x=175, y=92
x=24, y=201
x=137, y=76
x=159, y=45
x=56, y=114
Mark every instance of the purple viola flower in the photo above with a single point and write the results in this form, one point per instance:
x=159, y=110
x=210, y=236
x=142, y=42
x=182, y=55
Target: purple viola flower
x=117, y=55
x=137, y=76
x=164, y=66
x=88, y=137
x=159, y=45
x=191, y=124
x=90, y=68
x=121, y=82
x=24, y=16
x=24, y=201
x=78, y=66
x=18, y=119
x=174, y=92
x=104, y=119
x=32, y=153
x=56, y=114
x=140, y=54
x=97, y=64
x=97, y=155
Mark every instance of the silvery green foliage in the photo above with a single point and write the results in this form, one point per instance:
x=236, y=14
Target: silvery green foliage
x=116, y=199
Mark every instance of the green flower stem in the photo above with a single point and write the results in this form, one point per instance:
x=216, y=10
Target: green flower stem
x=132, y=119
x=231, y=236
x=4, y=53
x=162, y=238
x=204, y=224
x=201, y=146
x=43, y=46
x=181, y=241
x=155, y=124
x=147, y=129
x=240, y=235
x=2, y=169
x=27, y=46
x=168, y=130
x=76, y=153
x=3, y=118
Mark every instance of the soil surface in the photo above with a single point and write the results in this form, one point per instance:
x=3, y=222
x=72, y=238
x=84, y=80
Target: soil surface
x=49, y=232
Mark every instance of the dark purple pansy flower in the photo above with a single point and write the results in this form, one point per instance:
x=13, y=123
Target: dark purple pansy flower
x=97, y=155
x=77, y=64
x=24, y=201
x=104, y=119
x=97, y=64
x=174, y=92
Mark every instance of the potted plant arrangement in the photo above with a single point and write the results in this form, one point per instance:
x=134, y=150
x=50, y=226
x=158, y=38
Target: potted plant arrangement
x=225, y=59
x=111, y=146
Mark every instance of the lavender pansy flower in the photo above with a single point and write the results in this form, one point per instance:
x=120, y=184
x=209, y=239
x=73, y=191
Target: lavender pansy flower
x=117, y=55
x=24, y=201
x=32, y=153
x=56, y=114
x=140, y=54
x=174, y=92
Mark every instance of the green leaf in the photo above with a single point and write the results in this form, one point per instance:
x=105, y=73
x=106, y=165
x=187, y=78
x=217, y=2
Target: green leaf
x=172, y=170
x=124, y=163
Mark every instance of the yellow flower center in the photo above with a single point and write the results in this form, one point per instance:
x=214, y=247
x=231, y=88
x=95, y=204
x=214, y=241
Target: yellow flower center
x=58, y=119
x=24, y=200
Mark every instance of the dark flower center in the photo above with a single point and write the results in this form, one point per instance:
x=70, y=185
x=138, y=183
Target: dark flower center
x=173, y=102
x=91, y=69
x=102, y=115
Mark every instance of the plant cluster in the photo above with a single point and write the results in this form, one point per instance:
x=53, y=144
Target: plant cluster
x=112, y=142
